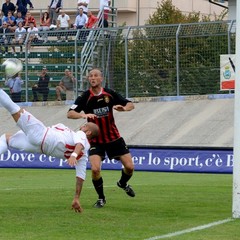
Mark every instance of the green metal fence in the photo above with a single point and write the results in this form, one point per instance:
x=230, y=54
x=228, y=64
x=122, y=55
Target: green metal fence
x=161, y=60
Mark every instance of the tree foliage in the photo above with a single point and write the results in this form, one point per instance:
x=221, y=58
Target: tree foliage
x=167, y=13
x=152, y=54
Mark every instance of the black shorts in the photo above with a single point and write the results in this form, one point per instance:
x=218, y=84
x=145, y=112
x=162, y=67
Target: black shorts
x=113, y=149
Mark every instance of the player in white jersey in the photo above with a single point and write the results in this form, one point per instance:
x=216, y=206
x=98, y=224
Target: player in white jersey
x=57, y=141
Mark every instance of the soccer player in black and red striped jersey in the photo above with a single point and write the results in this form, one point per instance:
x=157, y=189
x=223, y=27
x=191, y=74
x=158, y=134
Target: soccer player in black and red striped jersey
x=96, y=105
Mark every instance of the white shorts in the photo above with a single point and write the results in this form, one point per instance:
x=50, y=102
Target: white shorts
x=30, y=137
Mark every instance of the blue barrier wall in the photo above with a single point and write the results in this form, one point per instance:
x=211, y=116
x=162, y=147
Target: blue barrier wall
x=168, y=159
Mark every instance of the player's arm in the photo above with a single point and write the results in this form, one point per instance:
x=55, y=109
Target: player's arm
x=81, y=141
x=128, y=107
x=121, y=104
x=77, y=110
x=76, y=115
x=76, y=206
x=76, y=203
x=72, y=161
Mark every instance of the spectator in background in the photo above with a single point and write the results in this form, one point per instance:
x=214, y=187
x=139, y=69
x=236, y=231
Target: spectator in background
x=91, y=23
x=84, y=5
x=15, y=86
x=10, y=20
x=81, y=20
x=91, y=20
x=45, y=22
x=20, y=34
x=33, y=37
x=29, y=19
x=45, y=25
x=66, y=86
x=19, y=18
x=8, y=6
x=80, y=23
x=54, y=8
x=104, y=5
x=41, y=86
x=0, y=19
x=63, y=23
x=5, y=36
x=22, y=6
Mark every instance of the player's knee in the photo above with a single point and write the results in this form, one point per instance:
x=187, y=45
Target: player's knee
x=129, y=169
x=95, y=172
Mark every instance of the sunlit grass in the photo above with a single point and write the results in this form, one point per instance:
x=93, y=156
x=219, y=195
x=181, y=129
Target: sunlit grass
x=36, y=204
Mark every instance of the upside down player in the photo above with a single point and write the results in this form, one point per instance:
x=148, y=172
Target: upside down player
x=96, y=105
x=57, y=141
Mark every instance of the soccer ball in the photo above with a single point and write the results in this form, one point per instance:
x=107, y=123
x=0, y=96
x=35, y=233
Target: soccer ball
x=12, y=66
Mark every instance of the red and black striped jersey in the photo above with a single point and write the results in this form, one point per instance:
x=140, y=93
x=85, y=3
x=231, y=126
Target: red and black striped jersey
x=102, y=106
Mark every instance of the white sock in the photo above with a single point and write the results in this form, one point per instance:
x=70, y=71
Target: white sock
x=7, y=102
x=3, y=144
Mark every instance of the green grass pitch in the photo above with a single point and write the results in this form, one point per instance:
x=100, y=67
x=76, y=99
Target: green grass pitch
x=36, y=204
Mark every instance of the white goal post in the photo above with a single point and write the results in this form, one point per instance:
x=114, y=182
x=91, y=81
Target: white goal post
x=236, y=150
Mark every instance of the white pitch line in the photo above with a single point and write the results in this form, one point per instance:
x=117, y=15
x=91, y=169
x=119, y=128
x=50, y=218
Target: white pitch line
x=191, y=229
x=18, y=188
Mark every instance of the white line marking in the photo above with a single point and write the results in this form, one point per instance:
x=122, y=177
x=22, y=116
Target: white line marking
x=191, y=229
x=39, y=188
x=18, y=188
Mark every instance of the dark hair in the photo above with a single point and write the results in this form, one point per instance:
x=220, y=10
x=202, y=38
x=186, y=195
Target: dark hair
x=44, y=14
x=20, y=22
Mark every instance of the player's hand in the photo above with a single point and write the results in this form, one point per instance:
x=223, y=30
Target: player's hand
x=76, y=206
x=90, y=115
x=72, y=161
x=119, y=108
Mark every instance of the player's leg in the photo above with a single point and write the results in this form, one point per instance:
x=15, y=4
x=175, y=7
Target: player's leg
x=32, y=127
x=96, y=154
x=3, y=144
x=97, y=180
x=127, y=162
x=20, y=141
x=127, y=173
x=119, y=150
x=7, y=103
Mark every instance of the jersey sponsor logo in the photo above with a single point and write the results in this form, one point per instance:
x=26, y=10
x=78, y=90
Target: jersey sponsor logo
x=101, y=112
